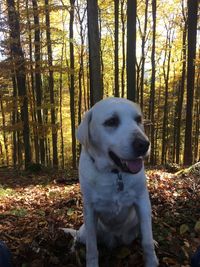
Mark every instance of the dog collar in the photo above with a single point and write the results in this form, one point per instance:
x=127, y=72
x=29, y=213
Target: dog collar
x=119, y=180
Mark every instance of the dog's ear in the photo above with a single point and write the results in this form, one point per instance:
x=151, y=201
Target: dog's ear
x=83, y=133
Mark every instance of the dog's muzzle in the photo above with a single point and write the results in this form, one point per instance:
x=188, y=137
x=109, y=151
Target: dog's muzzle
x=131, y=166
x=140, y=147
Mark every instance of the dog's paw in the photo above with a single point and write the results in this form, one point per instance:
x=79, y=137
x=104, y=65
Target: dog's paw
x=70, y=231
x=152, y=262
x=73, y=233
x=92, y=263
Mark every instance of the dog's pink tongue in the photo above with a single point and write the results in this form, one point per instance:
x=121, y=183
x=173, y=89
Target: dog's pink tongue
x=134, y=166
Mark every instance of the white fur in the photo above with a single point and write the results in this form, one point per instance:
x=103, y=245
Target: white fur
x=110, y=216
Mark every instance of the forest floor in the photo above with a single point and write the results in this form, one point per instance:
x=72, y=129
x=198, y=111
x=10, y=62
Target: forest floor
x=33, y=207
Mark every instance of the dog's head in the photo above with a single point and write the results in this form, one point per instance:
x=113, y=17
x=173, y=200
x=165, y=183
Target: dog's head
x=112, y=133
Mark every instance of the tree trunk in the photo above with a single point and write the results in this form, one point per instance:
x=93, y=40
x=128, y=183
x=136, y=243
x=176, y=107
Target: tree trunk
x=166, y=77
x=14, y=119
x=197, y=120
x=131, y=49
x=153, y=74
x=144, y=34
x=180, y=97
x=123, y=49
x=192, y=37
x=96, y=88
x=38, y=80
x=72, y=87
x=116, y=48
x=61, y=101
x=5, y=139
x=51, y=85
x=32, y=108
x=19, y=62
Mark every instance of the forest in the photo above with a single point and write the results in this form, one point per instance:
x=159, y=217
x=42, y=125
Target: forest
x=58, y=58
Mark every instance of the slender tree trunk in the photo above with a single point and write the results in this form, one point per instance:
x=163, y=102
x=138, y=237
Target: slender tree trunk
x=166, y=77
x=131, y=49
x=72, y=87
x=38, y=80
x=180, y=97
x=157, y=121
x=123, y=49
x=197, y=119
x=61, y=101
x=144, y=34
x=4, y=134
x=14, y=119
x=116, y=48
x=18, y=57
x=153, y=75
x=51, y=85
x=96, y=88
x=33, y=113
x=192, y=37
x=101, y=50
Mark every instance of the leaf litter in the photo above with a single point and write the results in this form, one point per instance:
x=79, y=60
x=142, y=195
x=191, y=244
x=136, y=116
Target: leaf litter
x=34, y=206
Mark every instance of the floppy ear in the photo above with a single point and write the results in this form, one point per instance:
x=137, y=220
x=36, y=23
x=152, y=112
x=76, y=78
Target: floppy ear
x=83, y=134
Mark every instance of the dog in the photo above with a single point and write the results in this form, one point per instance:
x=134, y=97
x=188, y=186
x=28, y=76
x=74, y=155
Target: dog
x=113, y=183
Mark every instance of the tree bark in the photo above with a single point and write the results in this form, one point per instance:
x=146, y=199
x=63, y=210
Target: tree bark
x=153, y=75
x=38, y=80
x=72, y=87
x=123, y=50
x=19, y=62
x=181, y=96
x=144, y=34
x=96, y=88
x=116, y=48
x=51, y=85
x=166, y=77
x=192, y=33
x=131, y=49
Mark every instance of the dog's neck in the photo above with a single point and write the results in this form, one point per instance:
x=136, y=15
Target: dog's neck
x=117, y=170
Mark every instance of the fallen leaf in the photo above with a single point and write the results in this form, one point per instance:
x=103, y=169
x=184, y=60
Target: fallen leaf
x=184, y=229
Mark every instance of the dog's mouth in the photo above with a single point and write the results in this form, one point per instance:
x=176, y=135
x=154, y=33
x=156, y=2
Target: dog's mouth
x=131, y=166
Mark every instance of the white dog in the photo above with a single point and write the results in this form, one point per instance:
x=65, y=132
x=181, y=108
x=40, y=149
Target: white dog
x=112, y=178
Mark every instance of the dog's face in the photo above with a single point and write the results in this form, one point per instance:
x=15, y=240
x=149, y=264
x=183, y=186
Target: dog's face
x=113, y=134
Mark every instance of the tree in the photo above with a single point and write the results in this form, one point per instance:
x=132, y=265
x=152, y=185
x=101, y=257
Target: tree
x=116, y=48
x=51, y=85
x=192, y=32
x=144, y=39
x=19, y=67
x=131, y=49
x=153, y=75
x=123, y=49
x=38, y=79
x=179, y=105
x=96, y=88
x=72, y=87
x=166, y=72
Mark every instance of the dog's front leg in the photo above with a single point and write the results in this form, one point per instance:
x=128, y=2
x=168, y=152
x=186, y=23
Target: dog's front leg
x=144, y=213
x=90, y=219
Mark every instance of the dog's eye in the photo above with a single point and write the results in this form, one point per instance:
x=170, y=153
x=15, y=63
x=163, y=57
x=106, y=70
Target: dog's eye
x=138, y=119
x=112, y=122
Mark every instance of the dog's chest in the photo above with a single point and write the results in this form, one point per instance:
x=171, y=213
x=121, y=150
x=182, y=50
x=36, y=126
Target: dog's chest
x=113, y=194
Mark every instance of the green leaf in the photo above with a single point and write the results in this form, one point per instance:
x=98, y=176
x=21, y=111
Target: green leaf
x=197, y=227
x=184, y=228
x=70, y=211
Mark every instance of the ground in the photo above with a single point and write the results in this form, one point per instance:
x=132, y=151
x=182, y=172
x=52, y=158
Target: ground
x=34, y=206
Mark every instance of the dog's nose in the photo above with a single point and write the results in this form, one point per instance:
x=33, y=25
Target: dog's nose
x=140, y=146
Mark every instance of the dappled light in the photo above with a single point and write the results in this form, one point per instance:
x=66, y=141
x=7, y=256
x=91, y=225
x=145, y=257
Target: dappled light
x=31, y=217
x=58, y=60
